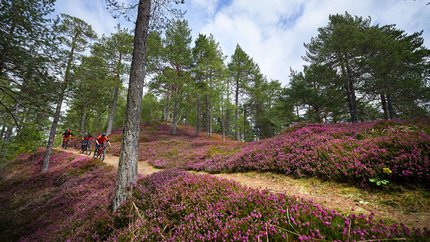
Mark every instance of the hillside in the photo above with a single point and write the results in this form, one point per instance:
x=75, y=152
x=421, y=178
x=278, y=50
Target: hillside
x=71, y=201
x=395, y=151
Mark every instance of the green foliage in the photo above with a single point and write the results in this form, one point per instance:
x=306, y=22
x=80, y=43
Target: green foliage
x=151, y=109
x=378, y=63
x=378, y=181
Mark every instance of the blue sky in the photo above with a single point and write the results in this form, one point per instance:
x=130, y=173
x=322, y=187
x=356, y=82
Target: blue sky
x=272, y=32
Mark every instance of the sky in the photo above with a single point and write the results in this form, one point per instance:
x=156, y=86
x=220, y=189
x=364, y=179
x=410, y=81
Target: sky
x=272, y=32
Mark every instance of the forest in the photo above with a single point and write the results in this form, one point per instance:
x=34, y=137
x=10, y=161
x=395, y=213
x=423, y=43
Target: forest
x=356, y=114
x=58, y=74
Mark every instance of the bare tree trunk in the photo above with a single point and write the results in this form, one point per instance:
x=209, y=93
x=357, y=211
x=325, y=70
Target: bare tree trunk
x=127, y=169
x=391, y=112
x=112, y=112
x=208, y=117
x=59, y=103
x=84, y=118
x=350, y=89
x=236, y=112
x=384, y=106
x=198, y=116
x=53, y=131
x=222, y=119
x=244, y=123
x=3, y=129
x=166, y=111
x=175, y=115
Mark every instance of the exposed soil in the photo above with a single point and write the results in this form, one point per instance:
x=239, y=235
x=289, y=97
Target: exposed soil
x=341, y=197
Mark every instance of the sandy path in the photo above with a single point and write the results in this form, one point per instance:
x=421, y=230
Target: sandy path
x=329, y=194
x=143, y=168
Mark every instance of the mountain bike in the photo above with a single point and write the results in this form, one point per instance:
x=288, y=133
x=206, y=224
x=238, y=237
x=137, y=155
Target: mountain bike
x=100, y=153
x=86, y=147
x=65, y=143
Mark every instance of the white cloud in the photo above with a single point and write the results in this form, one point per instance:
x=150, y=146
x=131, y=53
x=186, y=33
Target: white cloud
x=272, y=32
x=92, y=12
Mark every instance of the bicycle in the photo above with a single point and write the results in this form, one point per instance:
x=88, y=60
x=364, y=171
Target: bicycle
x=65, y=143
x=86, y=147
x=100, y=153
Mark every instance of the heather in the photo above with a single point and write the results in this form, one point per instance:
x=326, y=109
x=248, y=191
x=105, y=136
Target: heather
x=163, y=150
x=64, y=203
x=174, y=205
x=71, y=202
x=395, y=151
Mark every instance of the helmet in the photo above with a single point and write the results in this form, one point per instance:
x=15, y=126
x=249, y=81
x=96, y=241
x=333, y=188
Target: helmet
x=103, y=134
x=68, y=131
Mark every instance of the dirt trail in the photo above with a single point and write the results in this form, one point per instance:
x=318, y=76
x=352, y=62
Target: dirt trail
x=143, y=168
x=329, y=194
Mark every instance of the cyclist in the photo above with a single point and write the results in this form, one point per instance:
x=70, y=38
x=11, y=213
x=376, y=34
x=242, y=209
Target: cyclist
x=67, y=135
x=86, y=141
x=100, y=142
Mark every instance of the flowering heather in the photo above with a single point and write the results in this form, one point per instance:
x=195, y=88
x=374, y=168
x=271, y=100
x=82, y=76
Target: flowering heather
x=341, y=152
x=177, y=206
x=71, y=200
x=64, y=203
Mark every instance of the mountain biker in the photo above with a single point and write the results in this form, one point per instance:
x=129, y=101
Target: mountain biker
x=67, y=135
x=101, y=139
x=86, y=140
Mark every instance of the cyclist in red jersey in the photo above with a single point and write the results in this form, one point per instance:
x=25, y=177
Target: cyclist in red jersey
x=101, y=139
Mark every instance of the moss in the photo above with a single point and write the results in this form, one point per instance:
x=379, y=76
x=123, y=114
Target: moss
x=220, y=150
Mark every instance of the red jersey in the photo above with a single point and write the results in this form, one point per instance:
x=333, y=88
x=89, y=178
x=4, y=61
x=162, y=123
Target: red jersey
x=88, y=138
x=101, y=139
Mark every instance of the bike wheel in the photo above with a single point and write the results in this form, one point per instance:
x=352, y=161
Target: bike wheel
x=88, y=151
x=102, y=155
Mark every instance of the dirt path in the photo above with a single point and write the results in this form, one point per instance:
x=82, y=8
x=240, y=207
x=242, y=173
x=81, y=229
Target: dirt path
x=143, y=168
x=329, y=194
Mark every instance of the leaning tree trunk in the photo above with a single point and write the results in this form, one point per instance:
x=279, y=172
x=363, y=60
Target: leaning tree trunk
x=59, y=103
x=53, y=130
x=127, y=169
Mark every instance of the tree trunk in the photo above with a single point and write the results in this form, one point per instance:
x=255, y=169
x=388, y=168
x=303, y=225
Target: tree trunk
x=384, y=106
x=236, y=112
x=244, y=123
x=222, y=120
x=208, y=117
x=53, y=130
x=175, y=115
x=127, y=169
x=352, y=102
x=112, y=112
x=391, y=112
x=198, y=116
x=166, y=111
x=350, y=89
x=84, y=118
x=60, y=99
x=3, y=129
